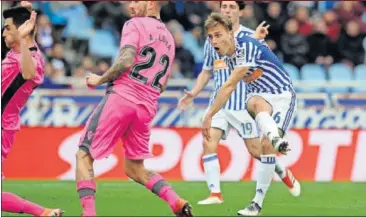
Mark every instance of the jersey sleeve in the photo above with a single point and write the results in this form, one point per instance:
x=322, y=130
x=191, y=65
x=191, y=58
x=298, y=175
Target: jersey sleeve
x=246, y=54
x=130, y=35
x=208, y=58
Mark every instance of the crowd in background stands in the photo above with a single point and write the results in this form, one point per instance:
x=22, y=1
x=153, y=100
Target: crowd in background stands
x=301, y=32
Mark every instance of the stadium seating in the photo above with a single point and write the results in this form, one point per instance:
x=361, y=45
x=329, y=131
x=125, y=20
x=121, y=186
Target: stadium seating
x=102, y=44
x=79, y=24
x=313, y=73
x=360, y=76
x=339, y=73
x=292, y=71
x=294, y=74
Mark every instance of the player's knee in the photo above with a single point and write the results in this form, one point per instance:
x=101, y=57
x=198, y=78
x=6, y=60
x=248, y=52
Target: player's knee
x=81, y=155
x=258, y=104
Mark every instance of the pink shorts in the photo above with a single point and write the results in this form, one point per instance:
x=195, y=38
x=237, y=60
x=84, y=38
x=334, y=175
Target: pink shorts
x=7, y=140
x=115, y=118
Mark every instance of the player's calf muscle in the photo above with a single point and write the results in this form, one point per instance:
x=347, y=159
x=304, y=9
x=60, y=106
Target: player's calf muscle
x=209, y=147
x=84, y=166
x=136, y=171
x=267, y=147
x=254, y=147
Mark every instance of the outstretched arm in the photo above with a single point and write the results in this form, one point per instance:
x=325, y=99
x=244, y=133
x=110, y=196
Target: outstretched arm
x=27, y=63
x=261, y=31
x=124, y=62
x=226, y=90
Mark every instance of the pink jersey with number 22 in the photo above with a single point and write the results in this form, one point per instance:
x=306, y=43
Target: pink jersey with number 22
x=155, y=51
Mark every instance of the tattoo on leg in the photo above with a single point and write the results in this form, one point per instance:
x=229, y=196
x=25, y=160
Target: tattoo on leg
x=150, y=174
x=91, y=173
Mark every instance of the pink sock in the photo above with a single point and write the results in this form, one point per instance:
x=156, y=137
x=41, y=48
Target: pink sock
x=162, y=189
x=13, y=203
x=86, y=190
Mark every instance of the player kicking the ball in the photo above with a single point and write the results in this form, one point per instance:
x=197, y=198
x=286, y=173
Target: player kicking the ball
x=21, y=73
x=136, y=81
x=270, y=95
x=233, y=114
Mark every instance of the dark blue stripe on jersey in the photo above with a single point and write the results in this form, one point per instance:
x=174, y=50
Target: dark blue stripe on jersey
x=290, y=111
x=284, y=82
x=266, y=84
x=280, y=72
x=235, y=96
x=247, y=52
x=254, y=52
x=271, y=81
x=210, y=59
x=15, y=85
x=240, y=100
x=258, y=85
x=283, y=73
x=273, y=74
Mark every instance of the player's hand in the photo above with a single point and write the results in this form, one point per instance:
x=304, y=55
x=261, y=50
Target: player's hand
x=186, y=100
x=206, y=126
x=27, y=26
x=261, y=31
x=26, y=4
x=93, y=80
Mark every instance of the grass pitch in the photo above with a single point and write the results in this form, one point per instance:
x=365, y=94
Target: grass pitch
x=130, y=199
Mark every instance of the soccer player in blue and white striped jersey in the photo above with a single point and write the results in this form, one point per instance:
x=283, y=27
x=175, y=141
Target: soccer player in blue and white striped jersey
x=233, y=114
x=270, y=97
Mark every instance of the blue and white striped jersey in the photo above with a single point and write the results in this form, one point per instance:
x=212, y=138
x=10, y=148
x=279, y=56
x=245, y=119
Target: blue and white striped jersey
x=266, y=73
x=221, y=72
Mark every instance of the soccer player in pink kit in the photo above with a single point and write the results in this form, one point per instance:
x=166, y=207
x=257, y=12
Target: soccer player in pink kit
x=22, y=72
x=136, y=81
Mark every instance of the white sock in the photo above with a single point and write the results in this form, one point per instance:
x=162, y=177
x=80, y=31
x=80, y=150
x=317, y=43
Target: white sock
x=280, y=169
x=266, y=170
x=212, y=172
x=267, y=125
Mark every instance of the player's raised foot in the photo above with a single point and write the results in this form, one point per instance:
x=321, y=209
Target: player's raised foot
x=281, y=145
x=252, y=210
x=183, y=209
x=52, y=212
x=214, y=198
x=292, y=184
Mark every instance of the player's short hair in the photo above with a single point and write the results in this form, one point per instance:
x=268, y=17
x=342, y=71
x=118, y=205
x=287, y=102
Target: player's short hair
x=241, y=4
x=19, y=15
x=215, y=19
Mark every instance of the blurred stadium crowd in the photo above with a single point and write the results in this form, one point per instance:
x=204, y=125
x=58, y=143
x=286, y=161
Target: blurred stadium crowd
x=79, y=37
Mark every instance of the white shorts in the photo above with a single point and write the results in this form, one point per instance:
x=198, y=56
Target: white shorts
x=283, y=107
x=240, y=120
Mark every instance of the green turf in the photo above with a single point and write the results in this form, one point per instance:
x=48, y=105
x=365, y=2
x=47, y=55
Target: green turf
x=128, y=198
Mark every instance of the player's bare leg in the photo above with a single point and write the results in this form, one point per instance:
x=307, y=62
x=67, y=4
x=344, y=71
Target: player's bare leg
x=263, y=110
x=136, y=170
x=255, y=150
x=85, y=182
x=265, y=175
x=15, y=204
x=212, y=167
